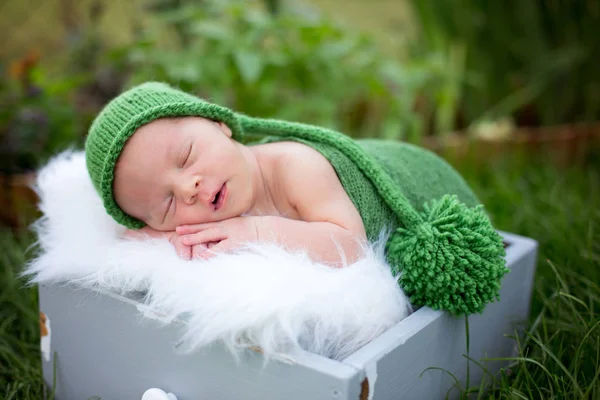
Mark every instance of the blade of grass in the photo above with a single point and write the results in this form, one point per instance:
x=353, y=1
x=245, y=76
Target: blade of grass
x=559, y=363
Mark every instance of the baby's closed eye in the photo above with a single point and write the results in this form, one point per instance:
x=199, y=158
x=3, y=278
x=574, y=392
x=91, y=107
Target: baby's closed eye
x=187, y=156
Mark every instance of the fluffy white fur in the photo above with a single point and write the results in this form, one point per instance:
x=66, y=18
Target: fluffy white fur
x=262, y=296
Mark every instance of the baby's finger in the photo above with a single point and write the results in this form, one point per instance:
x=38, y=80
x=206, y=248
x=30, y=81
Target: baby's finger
x=183, y=251
x=224, y=246
x=187, y=229
x=214, y=234
x=198, y=251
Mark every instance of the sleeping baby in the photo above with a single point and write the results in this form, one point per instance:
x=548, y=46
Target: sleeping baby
x=187, y=177
x=169, y=164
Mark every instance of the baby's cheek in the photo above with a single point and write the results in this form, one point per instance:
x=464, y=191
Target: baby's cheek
x=190, y=216
x=152, y=226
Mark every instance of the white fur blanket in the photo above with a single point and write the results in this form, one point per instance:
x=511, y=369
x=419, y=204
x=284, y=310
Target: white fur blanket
x=262, y=296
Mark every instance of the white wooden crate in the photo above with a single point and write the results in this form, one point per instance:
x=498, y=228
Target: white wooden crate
x=102, y=347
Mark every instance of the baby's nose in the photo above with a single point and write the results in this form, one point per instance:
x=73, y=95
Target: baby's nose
x=189, y=189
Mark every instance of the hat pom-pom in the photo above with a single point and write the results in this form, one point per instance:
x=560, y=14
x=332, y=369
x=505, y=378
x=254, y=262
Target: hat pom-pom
x=453, y=260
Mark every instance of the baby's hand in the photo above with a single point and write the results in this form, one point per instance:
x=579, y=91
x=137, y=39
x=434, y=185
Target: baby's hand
x=184, y=251
x=220, y=237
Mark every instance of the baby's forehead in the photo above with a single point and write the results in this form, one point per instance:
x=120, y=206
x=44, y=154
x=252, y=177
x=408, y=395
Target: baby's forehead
x=153, y=137
x=159, y=122
x=162, y=128
x=171, y=125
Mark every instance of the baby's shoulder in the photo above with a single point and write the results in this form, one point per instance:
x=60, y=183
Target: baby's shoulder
x=310, y=185
x=291, y=157
x=296, y=166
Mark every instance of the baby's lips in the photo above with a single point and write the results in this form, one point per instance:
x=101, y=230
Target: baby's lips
x=214, y=194
x=222, y=196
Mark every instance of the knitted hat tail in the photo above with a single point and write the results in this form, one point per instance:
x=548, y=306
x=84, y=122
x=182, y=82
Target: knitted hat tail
x=448, y=256
x=453, y=260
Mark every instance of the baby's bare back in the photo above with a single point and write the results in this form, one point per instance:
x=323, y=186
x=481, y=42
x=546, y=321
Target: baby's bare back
x=305, y=185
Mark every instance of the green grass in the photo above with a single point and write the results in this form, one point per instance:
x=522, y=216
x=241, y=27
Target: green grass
x=20, y=367
x=560, y=356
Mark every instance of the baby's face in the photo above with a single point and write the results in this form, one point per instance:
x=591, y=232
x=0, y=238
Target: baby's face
x=181, y=171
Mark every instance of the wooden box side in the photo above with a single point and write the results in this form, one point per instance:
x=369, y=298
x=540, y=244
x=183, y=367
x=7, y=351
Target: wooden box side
x=103, y=347
x=405, y=361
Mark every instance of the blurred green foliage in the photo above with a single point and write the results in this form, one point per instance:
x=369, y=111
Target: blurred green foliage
x=36, y=115
x=472, y=62
x=535, y=61
x=46, y=109
x=294, y=64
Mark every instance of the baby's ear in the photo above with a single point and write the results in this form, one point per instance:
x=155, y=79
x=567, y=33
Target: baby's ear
x=226, y=130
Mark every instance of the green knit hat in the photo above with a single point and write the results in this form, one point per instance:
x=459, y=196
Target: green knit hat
x=120, y=118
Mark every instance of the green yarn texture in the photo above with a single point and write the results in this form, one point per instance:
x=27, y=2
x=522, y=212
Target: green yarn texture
x=452, y=260
x=442, y=245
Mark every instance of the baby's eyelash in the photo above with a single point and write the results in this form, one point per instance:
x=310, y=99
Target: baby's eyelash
x=168, y=209
x=187, y=157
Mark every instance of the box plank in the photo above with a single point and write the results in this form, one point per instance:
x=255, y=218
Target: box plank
x=105, y=348
x=397, y=362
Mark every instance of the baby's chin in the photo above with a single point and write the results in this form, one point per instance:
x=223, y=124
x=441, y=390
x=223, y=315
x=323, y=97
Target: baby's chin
x=160, y=227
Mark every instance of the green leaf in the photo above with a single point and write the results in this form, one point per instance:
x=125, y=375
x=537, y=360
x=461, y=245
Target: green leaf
x=249, y=65
x=337, y=49
x=212, y=30
x=178, y=14
x=184, y=72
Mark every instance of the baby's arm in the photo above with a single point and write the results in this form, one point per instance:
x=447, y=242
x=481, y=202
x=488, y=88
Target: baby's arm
x=329, y=222
x=324, y=241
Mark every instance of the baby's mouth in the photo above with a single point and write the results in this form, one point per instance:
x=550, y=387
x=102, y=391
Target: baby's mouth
x=220, y=197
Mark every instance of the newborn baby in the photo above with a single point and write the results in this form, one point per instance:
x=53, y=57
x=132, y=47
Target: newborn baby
x=167, y=163
x=187, y=177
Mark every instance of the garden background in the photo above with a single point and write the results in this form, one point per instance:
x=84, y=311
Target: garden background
x=508, y=92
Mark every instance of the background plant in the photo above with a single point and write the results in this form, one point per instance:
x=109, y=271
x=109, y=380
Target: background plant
x=46, y=107
x=293, y=64
x=535, y=61
x=36, y=115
